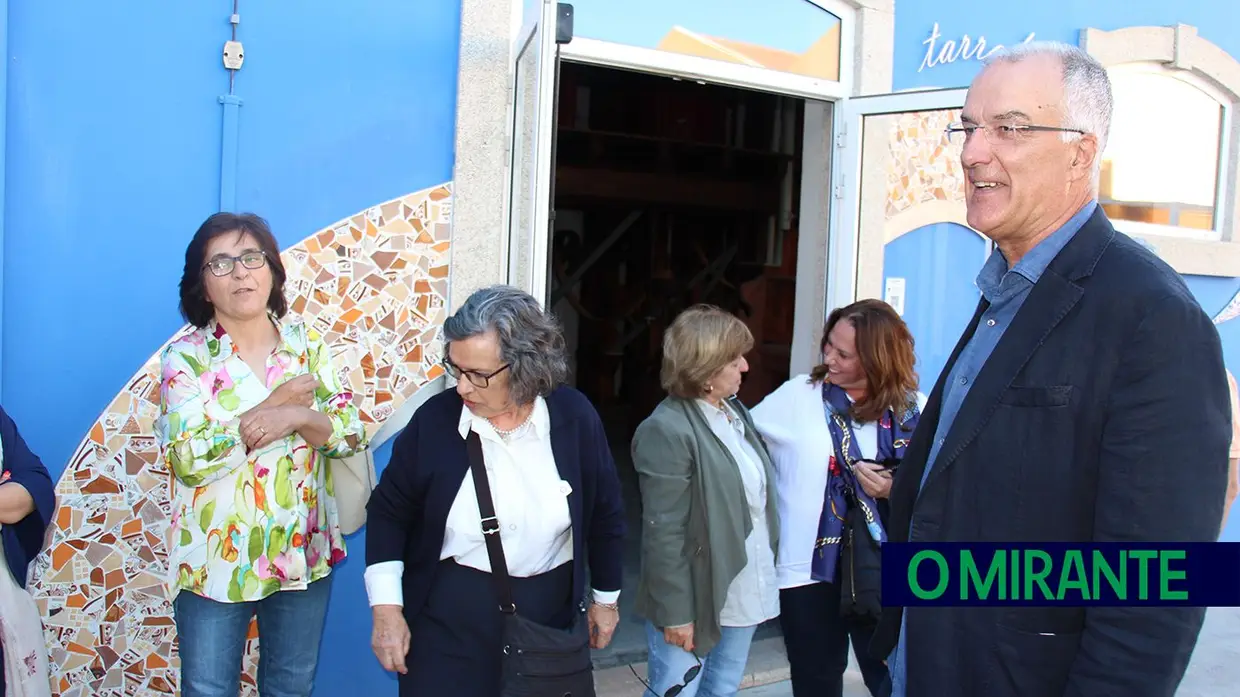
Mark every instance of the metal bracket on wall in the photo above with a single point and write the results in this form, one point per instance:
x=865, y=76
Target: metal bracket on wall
x=234, y=55
x=563, y=23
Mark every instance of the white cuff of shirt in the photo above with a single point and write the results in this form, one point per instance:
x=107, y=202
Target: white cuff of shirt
x=383, y=583
x=606, y=597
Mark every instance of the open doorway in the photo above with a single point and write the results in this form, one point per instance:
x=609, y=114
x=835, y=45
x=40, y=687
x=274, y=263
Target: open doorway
x=667, y=193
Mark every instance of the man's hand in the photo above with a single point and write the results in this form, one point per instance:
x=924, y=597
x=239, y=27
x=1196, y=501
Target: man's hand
x=298, y=392
x=679, y=636
x=390, y=638
x=602, y=620
x=874, y=479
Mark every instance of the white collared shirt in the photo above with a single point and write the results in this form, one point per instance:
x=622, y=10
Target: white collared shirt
x=531, y=505
x=753, y=596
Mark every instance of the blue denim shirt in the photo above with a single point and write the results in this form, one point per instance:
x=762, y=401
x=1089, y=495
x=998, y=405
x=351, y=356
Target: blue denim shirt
x=1006, y=290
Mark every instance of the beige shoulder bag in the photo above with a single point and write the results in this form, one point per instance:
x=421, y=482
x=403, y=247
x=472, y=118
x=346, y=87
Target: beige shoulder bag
x=353, y=477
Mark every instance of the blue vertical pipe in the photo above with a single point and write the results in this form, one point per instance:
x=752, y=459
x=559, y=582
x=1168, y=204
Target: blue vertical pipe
x=228, y=152
x=4, y=113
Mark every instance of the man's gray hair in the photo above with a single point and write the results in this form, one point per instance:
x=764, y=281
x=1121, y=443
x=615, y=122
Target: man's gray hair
x=1088, y=102
x=530, y=339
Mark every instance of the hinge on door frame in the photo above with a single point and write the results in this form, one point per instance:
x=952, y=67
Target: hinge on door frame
x=839, y=188
x=841, y=138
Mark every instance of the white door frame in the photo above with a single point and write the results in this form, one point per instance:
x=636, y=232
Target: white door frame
x=703, y=70
x=817, y=210
x=818, y=162
x=526, y=237
x=614, y=55
x=845, y=235
x=649, y=60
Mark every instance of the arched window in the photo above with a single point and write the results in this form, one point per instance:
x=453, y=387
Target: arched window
x=1171, y=170
x=1162, y=167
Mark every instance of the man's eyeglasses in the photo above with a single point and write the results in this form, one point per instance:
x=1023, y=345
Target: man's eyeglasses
x=1001, y=132
x=674, y=690
x=222, y=266
x=481, y=380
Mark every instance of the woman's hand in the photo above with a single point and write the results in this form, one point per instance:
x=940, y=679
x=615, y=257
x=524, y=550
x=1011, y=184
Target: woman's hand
x=602, y=620
x=679, y=636
x=298, y=392
x=262, y=426
x=390, y=638
x=874, y=479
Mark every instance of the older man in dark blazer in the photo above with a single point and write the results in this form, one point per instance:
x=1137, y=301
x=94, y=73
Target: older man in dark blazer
x=1086, y=401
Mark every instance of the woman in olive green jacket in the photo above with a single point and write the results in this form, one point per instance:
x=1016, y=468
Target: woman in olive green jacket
x=709, y=520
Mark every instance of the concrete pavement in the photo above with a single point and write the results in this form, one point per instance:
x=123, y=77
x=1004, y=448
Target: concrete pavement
x=1213, y=672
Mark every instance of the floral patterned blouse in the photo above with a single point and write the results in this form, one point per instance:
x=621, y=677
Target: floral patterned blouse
x=245, y=526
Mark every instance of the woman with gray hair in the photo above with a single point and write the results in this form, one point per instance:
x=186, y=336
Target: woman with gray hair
x=442, y=619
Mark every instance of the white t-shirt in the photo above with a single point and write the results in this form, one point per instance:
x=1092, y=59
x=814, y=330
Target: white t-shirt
x=792, y=422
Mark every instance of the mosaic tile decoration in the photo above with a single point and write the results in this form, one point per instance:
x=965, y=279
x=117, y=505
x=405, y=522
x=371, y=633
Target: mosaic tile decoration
x=925, y=165
x=375, y=285
x=1230, y=312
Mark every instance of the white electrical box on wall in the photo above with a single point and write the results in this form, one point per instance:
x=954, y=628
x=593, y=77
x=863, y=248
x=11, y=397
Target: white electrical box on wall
x=894, y=294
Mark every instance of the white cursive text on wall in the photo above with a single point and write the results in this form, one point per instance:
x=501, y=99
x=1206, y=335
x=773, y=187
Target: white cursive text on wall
x=950, y=51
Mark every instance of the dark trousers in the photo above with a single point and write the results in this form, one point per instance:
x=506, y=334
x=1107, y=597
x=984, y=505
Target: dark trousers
x=456, y=642
x=817, y=639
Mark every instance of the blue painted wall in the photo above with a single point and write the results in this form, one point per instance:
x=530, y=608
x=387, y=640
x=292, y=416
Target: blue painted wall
x=1057, y=20
x=113, y=159
x=939, y=264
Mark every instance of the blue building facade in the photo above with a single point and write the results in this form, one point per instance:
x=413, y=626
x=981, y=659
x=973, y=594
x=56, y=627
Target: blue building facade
x=356, y=130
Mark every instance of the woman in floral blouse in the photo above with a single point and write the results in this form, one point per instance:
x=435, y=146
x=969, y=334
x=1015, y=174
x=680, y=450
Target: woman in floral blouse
x=251, y=408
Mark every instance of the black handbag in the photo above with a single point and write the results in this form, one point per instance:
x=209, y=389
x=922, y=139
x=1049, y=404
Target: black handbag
x=538, y=661
x=861, y=557
x=861, y=563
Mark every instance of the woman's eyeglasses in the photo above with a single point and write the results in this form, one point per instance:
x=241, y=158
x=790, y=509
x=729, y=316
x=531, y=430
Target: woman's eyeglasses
x=674, y=690
x=480, y=380
x=690, y=675
x=222, y=266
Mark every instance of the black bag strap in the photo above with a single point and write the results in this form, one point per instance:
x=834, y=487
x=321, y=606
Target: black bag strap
x=490, y=525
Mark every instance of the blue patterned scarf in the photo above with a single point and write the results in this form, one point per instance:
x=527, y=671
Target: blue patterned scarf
x=843, y=490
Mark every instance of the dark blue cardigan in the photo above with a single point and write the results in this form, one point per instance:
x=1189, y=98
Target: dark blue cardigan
x=24, y=541
x=408, y=510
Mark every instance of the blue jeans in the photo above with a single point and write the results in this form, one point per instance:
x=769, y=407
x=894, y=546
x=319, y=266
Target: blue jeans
x=211, y=641
x=722, y=669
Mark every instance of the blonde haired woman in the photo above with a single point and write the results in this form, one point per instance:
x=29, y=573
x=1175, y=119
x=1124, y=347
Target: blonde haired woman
x=709, y=521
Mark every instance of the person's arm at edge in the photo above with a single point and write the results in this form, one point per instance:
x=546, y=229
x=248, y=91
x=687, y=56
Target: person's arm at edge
x=28, y=496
